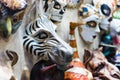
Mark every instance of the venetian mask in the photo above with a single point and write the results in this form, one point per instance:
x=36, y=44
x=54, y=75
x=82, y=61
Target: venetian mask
x=41, y=40
x=105, y=9
x=88, y=32
x=54, y=9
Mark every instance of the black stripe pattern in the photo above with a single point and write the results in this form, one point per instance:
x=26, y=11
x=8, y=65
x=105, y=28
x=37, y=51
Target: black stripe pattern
x=41, y=40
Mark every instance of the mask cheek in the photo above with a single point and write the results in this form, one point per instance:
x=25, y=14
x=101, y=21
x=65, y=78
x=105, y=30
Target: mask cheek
x=87, y=36
x=56, y=16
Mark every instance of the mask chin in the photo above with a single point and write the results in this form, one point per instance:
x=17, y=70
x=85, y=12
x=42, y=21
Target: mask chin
x=87, y=37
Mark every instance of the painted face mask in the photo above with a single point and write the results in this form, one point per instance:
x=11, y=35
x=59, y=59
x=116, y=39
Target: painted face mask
x=105, y=9
x=54, y=9
x=41, y=40
x=115, y=31
x=8, y=23
x=88, y=32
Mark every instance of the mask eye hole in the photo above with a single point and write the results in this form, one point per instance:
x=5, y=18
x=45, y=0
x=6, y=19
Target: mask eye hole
x=57, y=5
x=105, y=9
x=92, y=24
x=42, y=35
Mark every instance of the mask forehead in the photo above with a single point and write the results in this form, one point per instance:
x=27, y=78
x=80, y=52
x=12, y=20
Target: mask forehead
x=87, y=10
x=92, y=18
x=62, y=2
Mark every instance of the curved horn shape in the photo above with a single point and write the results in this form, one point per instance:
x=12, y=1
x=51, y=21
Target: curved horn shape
x=12, y=56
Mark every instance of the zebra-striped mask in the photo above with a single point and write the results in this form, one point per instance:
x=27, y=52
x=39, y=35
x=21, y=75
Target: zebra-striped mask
x=41, y=41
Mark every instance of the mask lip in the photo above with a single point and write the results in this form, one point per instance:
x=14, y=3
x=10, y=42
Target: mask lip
x=107, y=8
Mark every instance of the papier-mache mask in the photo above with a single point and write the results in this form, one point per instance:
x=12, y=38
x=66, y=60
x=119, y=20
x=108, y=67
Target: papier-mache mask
x=8, y=9
x=74, y=3
x=88, y=32
x=105, y=9
x=115, y=31
x=54, y=9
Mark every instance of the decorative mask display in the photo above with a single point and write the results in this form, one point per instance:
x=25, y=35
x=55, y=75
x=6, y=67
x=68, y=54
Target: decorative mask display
x=88, y=14
x=41, y=40
x=74, y=3
x=96, y=62
x=105, y=9
x=54, y=9
x=8, y=9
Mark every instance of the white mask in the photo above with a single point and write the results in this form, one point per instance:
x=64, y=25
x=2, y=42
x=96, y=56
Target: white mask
x=115, y=31
x=91, y=28
x=105, y=9
x=54, y=9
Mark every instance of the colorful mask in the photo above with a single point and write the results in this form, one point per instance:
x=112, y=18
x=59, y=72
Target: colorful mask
x=88, y=14
x=8, y=24
x=41, y=40
x=14, y=4
x=105, y=9
x=54, y=9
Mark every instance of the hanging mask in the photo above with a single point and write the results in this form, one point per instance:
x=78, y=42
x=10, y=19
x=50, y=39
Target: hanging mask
x=105, y=9
x=74, y=3
x=54, y=9
x=115, y=31
x=88, y=32
x=41, y=41
x=8, y=24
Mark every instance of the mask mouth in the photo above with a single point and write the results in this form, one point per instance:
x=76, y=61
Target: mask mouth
x=94, y=36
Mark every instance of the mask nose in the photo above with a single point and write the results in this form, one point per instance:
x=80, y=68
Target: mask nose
x=97, y=30
x=67, y=55
x=61, y=12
